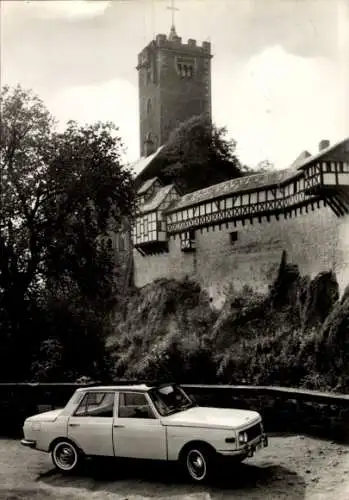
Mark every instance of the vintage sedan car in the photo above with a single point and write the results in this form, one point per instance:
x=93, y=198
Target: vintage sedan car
x=141, y=422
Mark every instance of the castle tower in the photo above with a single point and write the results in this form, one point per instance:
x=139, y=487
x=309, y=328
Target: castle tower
x=174, y=85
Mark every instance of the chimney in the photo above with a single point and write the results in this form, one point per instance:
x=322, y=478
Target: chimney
x=325, y=143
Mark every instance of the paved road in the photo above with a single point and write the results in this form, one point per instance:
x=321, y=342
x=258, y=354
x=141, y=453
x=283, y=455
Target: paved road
x=290, y=468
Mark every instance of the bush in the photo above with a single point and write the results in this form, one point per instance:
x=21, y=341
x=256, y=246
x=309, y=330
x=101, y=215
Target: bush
x=163, y=334
x=71, y=342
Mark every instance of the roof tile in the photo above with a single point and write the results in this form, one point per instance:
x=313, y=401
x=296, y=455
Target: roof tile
x=241, y=184
x=147, y=185
x=155, y=202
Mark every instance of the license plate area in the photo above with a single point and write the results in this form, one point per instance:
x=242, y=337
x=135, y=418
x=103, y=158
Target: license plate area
x=261, y=443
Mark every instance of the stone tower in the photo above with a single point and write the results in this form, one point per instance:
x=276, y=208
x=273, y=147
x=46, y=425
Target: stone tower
x=174, y=85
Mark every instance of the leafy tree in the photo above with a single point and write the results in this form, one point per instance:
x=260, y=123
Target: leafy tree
x=61, y=193
x=25, y=153
x=93, y=197
x=197, y=155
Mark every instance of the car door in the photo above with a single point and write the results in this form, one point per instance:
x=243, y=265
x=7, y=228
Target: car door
x=137, y=431
x=91, y=425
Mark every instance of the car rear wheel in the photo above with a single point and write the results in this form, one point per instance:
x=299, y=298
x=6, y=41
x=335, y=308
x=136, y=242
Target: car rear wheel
x=197, y=461
x=65, y=456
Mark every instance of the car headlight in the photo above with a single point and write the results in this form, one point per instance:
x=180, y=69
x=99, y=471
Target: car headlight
x=243, y=437
x=36, y=426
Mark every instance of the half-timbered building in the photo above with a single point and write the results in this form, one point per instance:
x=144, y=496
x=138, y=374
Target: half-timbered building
x=248, y=222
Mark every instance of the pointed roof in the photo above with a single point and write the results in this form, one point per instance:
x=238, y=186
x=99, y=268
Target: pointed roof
x=173, y=34
x=142, y=163
x=147, y=185
x=301, y=159
x=156, y=201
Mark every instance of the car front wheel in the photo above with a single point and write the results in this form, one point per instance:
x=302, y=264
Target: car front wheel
x=197, y=462
x=65, y=456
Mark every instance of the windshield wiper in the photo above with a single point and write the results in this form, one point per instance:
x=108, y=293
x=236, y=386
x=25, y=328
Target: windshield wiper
x=174, y=410
x=181, y=408
x=189, y=405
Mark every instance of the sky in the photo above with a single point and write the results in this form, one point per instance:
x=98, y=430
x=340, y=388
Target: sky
x=280, y=71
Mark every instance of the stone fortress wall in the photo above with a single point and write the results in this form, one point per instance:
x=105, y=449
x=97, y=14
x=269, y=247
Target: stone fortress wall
x=316, y=241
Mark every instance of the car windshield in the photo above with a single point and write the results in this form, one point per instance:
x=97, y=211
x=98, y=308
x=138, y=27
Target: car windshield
x=170, y=399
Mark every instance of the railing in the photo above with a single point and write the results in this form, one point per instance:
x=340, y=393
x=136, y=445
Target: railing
x=283, y=409
x=263, y=208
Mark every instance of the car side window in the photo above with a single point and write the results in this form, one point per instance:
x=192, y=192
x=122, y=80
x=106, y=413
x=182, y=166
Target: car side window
x=134, y=405
x=96, y=404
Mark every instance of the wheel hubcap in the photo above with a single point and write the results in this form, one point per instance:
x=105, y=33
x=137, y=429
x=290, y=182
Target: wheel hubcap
x=65, y=456
x=196, y=464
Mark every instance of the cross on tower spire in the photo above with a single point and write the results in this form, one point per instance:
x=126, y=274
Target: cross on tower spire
x=173, y=10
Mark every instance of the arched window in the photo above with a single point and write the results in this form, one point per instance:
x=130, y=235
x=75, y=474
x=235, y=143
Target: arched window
x=149, y=106
x=149, y=75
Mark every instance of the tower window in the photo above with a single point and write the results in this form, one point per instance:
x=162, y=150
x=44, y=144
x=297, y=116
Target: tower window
x=148, y=106
x=185, y=67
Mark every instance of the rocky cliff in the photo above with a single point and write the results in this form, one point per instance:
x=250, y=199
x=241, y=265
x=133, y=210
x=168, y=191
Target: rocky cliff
x=295, y=334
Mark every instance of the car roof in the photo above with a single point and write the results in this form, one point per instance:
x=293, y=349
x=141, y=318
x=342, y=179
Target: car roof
x=124, y=387
x=139, y=387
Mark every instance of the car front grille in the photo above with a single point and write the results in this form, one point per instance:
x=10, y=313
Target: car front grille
x=254, y=431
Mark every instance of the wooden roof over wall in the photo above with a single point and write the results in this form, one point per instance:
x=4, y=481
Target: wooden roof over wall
x=242, y=184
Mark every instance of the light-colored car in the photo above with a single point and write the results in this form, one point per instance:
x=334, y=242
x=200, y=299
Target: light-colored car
x=141, y=422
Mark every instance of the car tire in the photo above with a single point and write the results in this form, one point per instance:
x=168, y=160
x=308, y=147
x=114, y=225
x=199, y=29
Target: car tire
x=197, y=462
x=66, y=457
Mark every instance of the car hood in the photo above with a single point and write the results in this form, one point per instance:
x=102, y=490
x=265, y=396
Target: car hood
x=47, y=416
x=224, y=418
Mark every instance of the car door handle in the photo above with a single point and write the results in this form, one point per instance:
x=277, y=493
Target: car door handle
x=118, y=425
x=74, y=425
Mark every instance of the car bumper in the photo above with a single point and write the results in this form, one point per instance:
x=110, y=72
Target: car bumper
x=29, y=443
x=249, y=449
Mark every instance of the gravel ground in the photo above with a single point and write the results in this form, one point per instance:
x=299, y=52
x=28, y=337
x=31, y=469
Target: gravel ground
x=293, y=467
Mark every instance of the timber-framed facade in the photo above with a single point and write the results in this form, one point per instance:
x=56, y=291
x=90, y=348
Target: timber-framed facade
x=322, y=180
x=234, y=233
